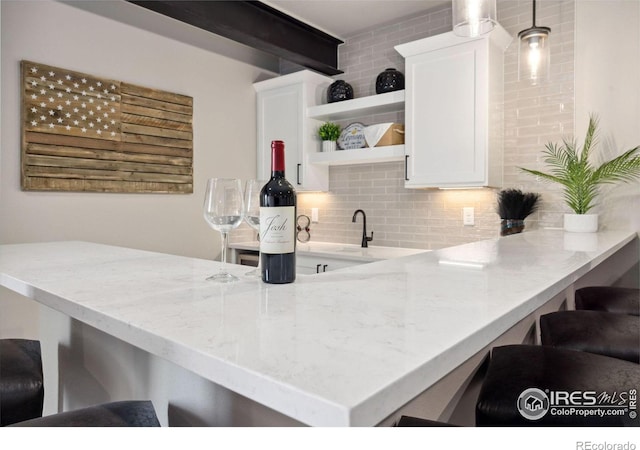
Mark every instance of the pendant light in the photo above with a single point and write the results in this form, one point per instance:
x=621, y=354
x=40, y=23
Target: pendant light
x=472, y=18
x=533, y=52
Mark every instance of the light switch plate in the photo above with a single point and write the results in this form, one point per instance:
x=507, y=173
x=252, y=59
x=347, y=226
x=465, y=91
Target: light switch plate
x=468, y=218
x=314, y=215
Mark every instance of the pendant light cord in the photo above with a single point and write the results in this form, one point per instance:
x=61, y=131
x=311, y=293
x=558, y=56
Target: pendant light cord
x=534, y=13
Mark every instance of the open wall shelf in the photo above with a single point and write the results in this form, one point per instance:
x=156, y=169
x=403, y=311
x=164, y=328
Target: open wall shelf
x=358, y=156
x=358, y=107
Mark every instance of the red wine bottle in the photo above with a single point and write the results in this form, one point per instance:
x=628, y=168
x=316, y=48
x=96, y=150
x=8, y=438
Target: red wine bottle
x=277, y=223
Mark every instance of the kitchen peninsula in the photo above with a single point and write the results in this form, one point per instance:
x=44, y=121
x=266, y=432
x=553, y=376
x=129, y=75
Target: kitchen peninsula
x=351, y=347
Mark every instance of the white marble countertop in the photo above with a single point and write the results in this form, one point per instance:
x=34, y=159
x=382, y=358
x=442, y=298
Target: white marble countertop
x=347, y=348
x=340, y=251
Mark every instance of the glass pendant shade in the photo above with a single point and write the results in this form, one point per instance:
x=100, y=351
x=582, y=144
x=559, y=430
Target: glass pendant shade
x=533, y=53
x=472, y=18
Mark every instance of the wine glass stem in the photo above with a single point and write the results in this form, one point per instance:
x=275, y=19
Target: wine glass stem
x=259, y=255
x=225, y=238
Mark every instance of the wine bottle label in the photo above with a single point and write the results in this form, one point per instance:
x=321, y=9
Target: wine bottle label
x=277, y=229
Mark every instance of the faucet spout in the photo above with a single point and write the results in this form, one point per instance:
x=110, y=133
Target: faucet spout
x=365, y=239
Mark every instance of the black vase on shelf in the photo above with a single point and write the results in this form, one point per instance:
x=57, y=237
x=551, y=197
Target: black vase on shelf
x=338, y=91
x=389, y=80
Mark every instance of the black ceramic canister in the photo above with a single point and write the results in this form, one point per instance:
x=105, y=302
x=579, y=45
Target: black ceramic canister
x=389, y=80
x=338, y=91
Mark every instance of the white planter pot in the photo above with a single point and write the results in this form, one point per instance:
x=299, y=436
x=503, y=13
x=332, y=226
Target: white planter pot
x=328, y=146
x=581, y=223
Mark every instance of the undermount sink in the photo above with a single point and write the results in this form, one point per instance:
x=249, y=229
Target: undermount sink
x=350, y=249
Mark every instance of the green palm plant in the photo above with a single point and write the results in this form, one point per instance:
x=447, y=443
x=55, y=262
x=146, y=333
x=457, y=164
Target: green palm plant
x=579, y=178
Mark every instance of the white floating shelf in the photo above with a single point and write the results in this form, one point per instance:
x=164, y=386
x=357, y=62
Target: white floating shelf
x=358, y=156
x=358, y=107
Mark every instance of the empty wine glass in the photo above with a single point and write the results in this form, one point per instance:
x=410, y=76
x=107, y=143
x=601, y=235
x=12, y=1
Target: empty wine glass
x=252, y=212
x=223, y=211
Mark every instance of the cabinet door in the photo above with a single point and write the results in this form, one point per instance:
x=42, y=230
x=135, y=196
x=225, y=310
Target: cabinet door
x=306, y=266
x=280, y=117
x=310, y=265
x=445, y=101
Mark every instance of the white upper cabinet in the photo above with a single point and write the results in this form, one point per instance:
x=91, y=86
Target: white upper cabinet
x=282, y=104
x=453, y=110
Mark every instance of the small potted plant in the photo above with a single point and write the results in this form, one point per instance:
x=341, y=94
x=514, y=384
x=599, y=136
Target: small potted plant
x=329, y=133
x=581, y=180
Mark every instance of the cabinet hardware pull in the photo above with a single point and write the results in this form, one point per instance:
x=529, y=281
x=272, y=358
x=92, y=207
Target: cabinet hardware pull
x=298, y=174
x=324, y=268
x=406, y=167
x=318, y=268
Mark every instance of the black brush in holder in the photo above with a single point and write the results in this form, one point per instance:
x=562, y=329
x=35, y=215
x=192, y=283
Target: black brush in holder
x=514, y=206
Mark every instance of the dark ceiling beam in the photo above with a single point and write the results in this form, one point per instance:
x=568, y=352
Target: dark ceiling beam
x=259, y=26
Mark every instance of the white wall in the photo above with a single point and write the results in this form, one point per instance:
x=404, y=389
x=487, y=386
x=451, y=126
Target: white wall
x=607, y=83
x=223, y=121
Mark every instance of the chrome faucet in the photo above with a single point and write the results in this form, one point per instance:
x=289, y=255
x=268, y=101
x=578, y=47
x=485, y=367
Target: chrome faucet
x=365, y=239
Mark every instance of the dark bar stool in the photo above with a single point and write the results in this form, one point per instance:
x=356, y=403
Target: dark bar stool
x=131, y=413
x=523, y=382
x=409, y=421
x=609, y=299
x=21, y=380
x=609, y=334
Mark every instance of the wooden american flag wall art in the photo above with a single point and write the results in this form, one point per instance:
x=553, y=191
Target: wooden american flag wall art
x=85, y=133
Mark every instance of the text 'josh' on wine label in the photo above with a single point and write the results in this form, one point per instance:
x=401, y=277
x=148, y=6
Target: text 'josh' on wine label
x=277, y=229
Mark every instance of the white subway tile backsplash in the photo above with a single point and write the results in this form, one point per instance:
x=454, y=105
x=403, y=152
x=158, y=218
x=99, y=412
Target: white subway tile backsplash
x=430, y=219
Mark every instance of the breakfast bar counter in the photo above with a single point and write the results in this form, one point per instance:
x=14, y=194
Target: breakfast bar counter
x=343, y=348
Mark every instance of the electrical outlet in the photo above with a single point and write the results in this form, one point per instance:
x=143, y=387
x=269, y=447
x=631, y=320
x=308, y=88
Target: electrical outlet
x=314, y=215
x=468, y=218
